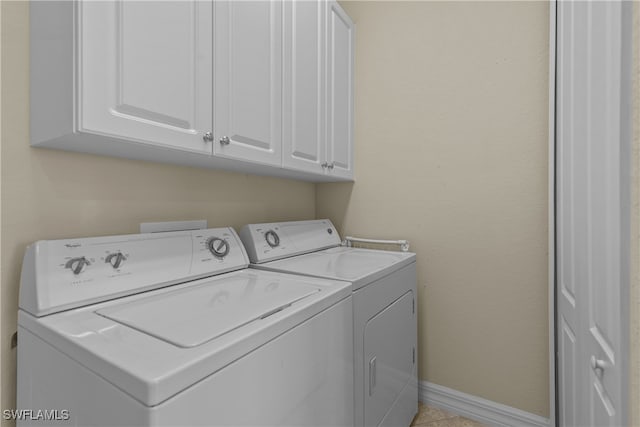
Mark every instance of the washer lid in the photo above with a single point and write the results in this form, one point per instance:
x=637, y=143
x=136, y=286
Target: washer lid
x=192, y=316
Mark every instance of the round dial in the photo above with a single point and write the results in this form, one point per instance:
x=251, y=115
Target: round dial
x=272, y=238
x=77, y=264
x=115, y=259
x=218, y=247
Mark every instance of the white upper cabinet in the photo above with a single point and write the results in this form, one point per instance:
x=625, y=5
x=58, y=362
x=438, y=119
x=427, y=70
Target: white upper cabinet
x=340, y=41
x=304, y=113
x=318, y=88
x=146, y=71
x=248, y=80
x=261, y=87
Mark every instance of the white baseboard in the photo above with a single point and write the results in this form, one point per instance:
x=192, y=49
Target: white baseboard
x=477, y=408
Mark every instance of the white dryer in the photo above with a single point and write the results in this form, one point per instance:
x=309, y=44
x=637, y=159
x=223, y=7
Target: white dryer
x=384, y=309
x=173, y=329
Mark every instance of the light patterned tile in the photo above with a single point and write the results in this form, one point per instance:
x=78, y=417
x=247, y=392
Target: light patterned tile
x=428, y=414
x=454, y=422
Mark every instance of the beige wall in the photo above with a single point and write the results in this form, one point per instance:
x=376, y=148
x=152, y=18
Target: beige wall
x=49, y=194
x=451, y=153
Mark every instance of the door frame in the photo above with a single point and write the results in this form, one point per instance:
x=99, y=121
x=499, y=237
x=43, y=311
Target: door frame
x=553, y=378
x=626, y=136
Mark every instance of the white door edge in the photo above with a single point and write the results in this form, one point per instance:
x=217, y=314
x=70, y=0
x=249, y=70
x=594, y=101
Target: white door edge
x=626, y=137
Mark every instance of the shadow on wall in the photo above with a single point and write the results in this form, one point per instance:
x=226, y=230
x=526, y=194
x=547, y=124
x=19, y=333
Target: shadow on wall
x=340, y=198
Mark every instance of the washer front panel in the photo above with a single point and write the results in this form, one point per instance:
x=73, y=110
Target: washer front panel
x=151, y=368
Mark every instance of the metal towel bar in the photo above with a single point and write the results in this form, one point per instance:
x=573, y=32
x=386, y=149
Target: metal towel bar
x=404, y=244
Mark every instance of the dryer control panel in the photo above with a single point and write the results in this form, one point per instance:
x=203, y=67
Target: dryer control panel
x=62, y=274
x=272, y=241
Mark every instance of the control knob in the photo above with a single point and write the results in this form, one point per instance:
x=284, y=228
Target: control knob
x=272, y=238
x=218, y=247
x=115, y=259
x=77, y=264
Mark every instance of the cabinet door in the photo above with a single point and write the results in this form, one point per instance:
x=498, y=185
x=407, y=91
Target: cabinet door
x=145, y=71
x=304, y=144
x=248, y=80
x=340, y=40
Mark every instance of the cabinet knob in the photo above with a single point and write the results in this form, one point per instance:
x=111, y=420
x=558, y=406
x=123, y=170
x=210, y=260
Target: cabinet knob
x=207, y=137
x=331, y=165
x=324, y=165
x=225, y=140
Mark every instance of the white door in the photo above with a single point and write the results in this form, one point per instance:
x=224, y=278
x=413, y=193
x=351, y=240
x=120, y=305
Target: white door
x=591, y=203
x=340, y=44
x=304, y=146
x=145, y=70
x=248, y=80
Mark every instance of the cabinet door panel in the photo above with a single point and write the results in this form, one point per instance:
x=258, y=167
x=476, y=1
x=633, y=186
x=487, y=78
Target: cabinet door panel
x=248, y=80
x=304, y=113
x=146, y=71
x=340, y=91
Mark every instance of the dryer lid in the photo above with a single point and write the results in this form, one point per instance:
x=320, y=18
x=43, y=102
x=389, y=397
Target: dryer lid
x=358, y=266
x=194, y=315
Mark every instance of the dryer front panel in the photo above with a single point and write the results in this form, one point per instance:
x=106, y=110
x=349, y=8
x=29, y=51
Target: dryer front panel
x=384, y=314
x=389, y=357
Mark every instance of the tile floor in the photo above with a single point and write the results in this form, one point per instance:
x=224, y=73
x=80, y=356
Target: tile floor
x=428, y=416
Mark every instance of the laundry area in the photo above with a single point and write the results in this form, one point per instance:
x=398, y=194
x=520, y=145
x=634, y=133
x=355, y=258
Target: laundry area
x=320, y=213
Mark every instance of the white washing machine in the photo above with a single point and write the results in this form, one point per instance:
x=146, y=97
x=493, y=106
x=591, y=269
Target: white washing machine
x=173, y=329
x=384, y=315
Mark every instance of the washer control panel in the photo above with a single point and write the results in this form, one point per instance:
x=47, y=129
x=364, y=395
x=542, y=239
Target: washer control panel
x=62, y=274
x=271, y=241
